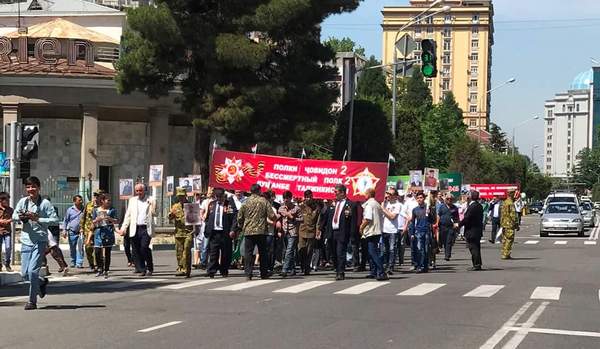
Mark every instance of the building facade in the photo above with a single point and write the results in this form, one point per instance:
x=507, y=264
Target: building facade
x=568, y=126
x=464, y=39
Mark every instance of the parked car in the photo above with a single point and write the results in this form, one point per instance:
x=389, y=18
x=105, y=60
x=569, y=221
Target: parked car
x=561, y=217
x=536, y=207
x=597, y=205
x=588, y=213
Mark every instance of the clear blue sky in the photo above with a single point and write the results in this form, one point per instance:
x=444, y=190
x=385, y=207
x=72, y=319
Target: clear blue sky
x=542, y=43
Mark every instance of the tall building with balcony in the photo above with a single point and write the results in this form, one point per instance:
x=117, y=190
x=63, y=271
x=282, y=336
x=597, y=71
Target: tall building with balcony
x=568, y=126
x=464, y=39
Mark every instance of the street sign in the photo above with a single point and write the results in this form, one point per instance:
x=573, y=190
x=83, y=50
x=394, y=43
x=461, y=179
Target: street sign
x=406, y=45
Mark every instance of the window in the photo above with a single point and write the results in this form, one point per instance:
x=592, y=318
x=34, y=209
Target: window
x=474, y=70
x=417, y=31
x=446, y=32
x=568, y=149
x=548, y=167
x=475, y=31
x=569, y=125
x=429, y=30
x=549, y=152
x=577, y=107
x=549, y=145
x=473, y=83
x=445, y=84
x=446, y=71
x=475, y=18
x=568, y=165
x=472, y=109
x=549, y=115
x=448, y=19
x=473, y=98
x=569, y=142
x=564, y=108
x=446, y=58
x=447, y=45
x=474, y=44
x=474, y=57
x=568, y=157
x=418, y=45
x=429, y=83
x=429, y=20
x=570, y=108
x=569, y=133
x=417, y=56
x=472, y=122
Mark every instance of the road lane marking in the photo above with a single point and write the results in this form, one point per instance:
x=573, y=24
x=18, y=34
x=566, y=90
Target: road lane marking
x=524, y=329
x=546, y=293
x=532, y=242
x=305, y=286
x=561, y=332
x=362, y=288
x=484, y=291
x=148, y=280
x=421, y=290
x=189, y=284
x=589, y=242
x=158, y=327
x=505, y=329
x=13, y=299
x=245, y=285
x=560, y=242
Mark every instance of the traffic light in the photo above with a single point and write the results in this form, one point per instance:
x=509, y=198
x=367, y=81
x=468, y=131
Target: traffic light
x=428, y=58
x=30, y=140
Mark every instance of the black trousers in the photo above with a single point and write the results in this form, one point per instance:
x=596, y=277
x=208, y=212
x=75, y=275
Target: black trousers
x=341, y=247
x=103, y=258
x=305, y=253
x=474, y=246
x=250, y=241
x=127, y=247
x=495, y=226
x=219, y=253
x=141, y=249
x=360, y=253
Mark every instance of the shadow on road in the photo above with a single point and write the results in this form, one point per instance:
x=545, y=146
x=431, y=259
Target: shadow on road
x=71, y=307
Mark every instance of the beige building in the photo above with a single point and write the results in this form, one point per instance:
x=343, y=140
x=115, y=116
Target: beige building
x=464, y=39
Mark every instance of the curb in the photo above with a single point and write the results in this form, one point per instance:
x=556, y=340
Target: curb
x=7, y=278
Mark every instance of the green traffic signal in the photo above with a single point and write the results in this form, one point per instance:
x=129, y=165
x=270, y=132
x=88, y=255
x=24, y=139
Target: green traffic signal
x=428, y=70
x=428, y=58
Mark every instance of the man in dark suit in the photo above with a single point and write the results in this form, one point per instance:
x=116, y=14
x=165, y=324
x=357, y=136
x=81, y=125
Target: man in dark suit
x=220, y=226
x=473, y=223
x=342, y=224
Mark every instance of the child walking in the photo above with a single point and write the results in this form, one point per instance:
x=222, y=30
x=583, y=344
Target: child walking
x=104, y=218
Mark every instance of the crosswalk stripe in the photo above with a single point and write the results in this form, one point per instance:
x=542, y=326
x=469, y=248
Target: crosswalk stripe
x=560, y=242
x=548, y=293
x=245, y=285
x=532, y=242
x=589, y=242
x=484, y=291
x=421, y=290
x=305, y=286
x=148, y=280
x=190, y=284
x=362, y=288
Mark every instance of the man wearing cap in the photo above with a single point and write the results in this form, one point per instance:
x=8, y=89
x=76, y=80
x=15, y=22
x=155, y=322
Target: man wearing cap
x=183, y=235
x=87, y=228
x=509, y=222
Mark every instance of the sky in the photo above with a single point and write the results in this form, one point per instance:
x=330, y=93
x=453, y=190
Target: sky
x=544, y=44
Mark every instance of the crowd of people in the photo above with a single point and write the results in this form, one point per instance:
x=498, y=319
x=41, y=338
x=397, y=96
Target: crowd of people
x=283, y=235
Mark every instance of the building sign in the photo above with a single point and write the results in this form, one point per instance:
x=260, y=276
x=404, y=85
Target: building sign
x=45, y=50
x=489, y=191
x=238, y=171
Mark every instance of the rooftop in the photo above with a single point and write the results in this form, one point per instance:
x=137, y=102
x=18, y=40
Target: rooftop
x=51, y=7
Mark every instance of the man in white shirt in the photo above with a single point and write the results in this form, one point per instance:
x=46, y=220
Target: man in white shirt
x=409, y=205
x=391, y=210
x=494, y=214
x=370, y=229
x=139, y=223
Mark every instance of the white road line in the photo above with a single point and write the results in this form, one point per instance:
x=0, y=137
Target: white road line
x=505, y=329
x=421, y=290
x=64, y=278
x=560, y=242
x=13, y=299
x=484, y=291
x=561, y=332
x=362, y=288
x=532, y=242
x=547, y=293
x=245, y=285
x=154, y=328
x=147, y=280
x=189, y=284
x=305, y=286
x=523, y=330
x=590, y=242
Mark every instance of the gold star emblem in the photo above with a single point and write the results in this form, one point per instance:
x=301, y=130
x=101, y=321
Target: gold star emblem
x=363, y=181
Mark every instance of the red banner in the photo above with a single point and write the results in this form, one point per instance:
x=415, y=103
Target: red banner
x=488, y=191
x=238, y=171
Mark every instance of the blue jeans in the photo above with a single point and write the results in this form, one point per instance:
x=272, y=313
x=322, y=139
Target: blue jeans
x=289, y=262
x=204, y=252
x=421, y=240
x=5, y=246
x=390, y=250
x=31, y=262
x=375, y=259
x=76, y=249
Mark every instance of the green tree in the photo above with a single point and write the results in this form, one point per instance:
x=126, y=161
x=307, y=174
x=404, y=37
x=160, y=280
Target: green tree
x=588, y=167
x=498, y=141
x=344, y=44
x=442, y=127
x=538, y=186
x=244, y=89
x=408, y=146
x=372, y=82
x=596, y=192
x=467, y=158
x=416, y=95
x=371, y=136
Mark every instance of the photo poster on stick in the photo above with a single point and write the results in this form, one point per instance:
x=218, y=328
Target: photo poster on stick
x=416, y=180
x=192, y=215
x=170, y=186
x=125, y=188
x=156, y=175
x=196, y=184
x=432, y=178
x=186, y=183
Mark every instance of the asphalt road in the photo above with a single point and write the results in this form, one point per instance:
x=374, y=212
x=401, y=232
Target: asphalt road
x=546, y=297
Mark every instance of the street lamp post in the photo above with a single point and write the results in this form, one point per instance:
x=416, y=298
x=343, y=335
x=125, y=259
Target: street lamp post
x=404, y=62
x=488, y=93
x=515, y=128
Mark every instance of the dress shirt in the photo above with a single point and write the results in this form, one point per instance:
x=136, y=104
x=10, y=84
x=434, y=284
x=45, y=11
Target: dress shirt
x=338, y=208
x=142, y=211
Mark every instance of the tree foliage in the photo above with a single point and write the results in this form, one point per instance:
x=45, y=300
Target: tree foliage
x=371, y=82
x=588, y=167
x=498, y=141
x=344, y=44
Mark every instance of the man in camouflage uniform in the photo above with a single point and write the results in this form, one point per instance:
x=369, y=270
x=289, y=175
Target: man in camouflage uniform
x=87, y=228
x=509, y=222
x=183, y=235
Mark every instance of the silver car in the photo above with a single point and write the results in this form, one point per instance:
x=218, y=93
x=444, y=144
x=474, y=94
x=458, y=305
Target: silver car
x=561, y=217
x=588, y=213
